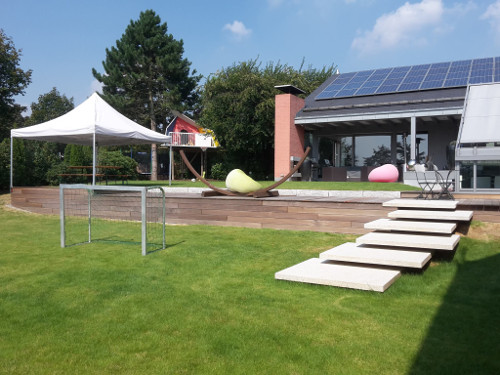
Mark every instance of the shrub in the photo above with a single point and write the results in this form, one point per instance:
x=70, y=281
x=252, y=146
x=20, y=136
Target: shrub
x=128, y=166
x=218, y=172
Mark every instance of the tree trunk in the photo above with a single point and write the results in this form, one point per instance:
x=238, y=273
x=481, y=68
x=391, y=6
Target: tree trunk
x=154, y=154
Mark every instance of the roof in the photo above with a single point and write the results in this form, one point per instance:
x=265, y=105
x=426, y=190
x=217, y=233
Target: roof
x=440, y=90
x=94, y=117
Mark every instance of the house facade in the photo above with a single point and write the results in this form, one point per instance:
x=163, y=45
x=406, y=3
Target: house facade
x=359, y=120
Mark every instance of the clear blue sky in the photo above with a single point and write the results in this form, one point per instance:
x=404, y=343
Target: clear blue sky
x=62, y=41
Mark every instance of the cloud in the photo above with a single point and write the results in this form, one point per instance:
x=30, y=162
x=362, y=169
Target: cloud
x=275, y=3
x=238, y=29
x=406, y=25
x=492, y=14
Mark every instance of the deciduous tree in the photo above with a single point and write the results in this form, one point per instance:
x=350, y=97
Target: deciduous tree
x=238, y=105
x=13, y=81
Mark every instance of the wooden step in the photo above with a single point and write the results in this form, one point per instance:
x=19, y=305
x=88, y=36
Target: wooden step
x=411, y=226
x=431, y=215
x=418, y=241
x=355, y=253
x=323, y=272
x=422, y=203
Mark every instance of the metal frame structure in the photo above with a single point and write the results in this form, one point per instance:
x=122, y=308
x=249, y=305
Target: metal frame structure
x=143, y=190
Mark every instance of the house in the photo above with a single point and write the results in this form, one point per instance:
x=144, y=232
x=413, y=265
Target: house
x=186, y=133
x=358, y=120
x=193, y=139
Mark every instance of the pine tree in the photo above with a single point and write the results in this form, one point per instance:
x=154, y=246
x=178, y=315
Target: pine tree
x=145, y=75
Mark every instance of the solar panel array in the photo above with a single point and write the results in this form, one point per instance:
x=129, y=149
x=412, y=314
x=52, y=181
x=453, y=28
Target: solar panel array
x=413, y=78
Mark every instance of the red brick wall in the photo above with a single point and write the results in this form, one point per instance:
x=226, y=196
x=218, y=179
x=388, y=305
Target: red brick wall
x=288, y=138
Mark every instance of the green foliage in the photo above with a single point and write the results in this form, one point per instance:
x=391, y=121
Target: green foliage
x=75, y=155
x=34, y=159
x=4, y=164
x=145, y=64
x=53, y=174
x=218, y=172
x=128, y=166
x=380, y=156
x=238, y=105
x=49, y=106
x=13, y=81
x=145, y=75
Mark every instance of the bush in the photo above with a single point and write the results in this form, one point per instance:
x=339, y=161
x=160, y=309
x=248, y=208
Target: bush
x=78, y=155
x=128, y=166
x=218, y=172
x=53, y=174
x=4, y=164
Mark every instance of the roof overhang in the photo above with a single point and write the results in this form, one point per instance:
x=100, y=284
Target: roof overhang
x=329, y=119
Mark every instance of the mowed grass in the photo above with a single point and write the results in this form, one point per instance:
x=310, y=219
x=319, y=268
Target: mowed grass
x=300, y=185
x=209, y=304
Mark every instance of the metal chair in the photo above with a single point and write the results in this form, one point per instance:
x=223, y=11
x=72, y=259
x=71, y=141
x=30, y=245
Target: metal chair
x=427, y=186
x=445, y=185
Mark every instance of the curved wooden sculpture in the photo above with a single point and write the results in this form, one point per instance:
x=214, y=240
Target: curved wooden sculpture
x=264, y=192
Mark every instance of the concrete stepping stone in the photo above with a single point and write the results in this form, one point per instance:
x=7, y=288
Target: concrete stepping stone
x=354, y=253
x=431, y=215
x=418, y=241
x=422, y=203
x=411, y=226
x=323, y=272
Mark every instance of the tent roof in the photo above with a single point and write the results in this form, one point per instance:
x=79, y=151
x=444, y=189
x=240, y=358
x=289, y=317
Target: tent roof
x=93, y=116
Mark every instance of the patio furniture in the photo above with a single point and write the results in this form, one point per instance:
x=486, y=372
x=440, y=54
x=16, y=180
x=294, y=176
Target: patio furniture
x=427, y=186
x=445, y=184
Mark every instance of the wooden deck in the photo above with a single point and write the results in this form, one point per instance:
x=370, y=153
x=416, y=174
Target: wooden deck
x=322, y=214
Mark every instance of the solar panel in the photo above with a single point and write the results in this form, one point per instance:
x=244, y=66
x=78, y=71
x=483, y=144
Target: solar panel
x=413, y=78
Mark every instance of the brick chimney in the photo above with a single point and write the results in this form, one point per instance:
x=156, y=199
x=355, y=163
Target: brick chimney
x=288, y=138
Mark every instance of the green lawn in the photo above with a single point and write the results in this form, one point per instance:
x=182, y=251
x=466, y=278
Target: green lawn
x=209, y=304
x=313, y=185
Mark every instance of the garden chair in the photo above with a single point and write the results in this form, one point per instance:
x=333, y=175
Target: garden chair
x=445, y=184
x=428, y=187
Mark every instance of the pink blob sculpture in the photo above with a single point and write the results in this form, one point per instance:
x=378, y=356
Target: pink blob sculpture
x=385, y=173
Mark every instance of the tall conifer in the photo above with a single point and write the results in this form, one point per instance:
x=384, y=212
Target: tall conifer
x=146, y=76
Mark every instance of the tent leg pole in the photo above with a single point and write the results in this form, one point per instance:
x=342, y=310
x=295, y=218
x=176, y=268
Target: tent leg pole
x=94, y=147
x=11, y=163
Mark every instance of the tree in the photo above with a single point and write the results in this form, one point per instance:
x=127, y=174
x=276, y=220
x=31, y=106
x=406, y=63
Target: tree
x=238, y=105
x=13, y=81
x=380, y=156
x=36, y=158
x=146, y=70
x=49, y=106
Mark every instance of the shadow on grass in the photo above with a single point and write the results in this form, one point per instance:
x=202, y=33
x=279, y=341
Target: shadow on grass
x=150, y=250
x=464, y=337
x=167, y=246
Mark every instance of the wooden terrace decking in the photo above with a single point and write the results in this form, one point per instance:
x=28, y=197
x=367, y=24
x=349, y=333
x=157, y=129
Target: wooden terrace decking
x=334, y=214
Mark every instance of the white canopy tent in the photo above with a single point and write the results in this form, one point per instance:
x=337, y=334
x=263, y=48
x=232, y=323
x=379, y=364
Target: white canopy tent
x=92, y=123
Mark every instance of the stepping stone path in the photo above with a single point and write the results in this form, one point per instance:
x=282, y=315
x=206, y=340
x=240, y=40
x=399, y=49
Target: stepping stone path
x=407, y=240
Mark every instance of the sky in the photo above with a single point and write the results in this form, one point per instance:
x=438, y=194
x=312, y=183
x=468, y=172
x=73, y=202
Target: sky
x=61, y=41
